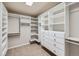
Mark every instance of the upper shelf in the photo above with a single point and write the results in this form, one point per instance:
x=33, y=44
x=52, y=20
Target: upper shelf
x=13, y=34
x=73, y=39
x=70, y=3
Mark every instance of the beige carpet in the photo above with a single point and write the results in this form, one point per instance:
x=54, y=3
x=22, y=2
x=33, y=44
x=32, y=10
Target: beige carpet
x=27, y=50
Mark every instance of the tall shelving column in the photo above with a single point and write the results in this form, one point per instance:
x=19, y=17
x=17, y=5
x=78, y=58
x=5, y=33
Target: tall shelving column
x=34, y=29
x=39, y=28
x=3, y=30
x=45, y=30
x=59, y=22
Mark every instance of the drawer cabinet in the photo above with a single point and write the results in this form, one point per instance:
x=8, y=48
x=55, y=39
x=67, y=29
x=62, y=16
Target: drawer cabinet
x=60, y=46
x=54, y=41
x=59, y=40
x=59, y=34
x=59, y=52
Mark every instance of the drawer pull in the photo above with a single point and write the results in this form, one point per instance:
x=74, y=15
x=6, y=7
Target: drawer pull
x=54, y=34
x=54, y=39
x=54, y=44
x=54, y=51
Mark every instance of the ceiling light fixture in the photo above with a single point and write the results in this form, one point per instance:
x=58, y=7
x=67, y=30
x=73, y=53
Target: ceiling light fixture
x=29, y=3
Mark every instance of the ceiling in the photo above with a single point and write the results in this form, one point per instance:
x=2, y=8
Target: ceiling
x=36, y=9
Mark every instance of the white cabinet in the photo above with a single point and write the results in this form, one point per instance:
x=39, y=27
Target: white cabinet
x=3, y=30
x=34, y=29
x=59, y=43
x=25, y=24
x=54, y=29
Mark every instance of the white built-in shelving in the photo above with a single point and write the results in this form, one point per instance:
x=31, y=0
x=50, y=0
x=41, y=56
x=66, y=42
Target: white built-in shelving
x=54, y=29
x=34, y=29
x=3, y=30
x=59, y=29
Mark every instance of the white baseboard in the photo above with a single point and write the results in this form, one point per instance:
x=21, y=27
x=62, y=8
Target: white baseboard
x=18, y=46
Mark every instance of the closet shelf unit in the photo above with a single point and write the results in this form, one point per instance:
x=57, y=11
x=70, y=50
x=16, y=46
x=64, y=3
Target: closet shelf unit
x=34, y=29
x=3, y=30
x=54, y=29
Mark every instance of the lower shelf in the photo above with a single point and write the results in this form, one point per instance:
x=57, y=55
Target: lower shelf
x=13, y=34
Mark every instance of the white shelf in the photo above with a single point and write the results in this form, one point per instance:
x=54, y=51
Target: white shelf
x=4, y=26
x=70, y=3
x=34, y=18
x=3, y=31
x=34, y=21
x=34, y=25
x=4, y=43
x=33, y=39
x=59, y=15
x=34, y=33
x=58, y=23
x=4, y=52
x=34, y=28
x=73, y=39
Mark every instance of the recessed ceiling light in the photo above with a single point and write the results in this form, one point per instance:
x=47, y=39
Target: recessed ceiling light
x=29, y=3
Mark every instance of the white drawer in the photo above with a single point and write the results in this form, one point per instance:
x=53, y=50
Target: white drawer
x=59, y=52
x=45, y=44
x=59, y=34
x=59, y=40
x=51, y=33
x=60, y=46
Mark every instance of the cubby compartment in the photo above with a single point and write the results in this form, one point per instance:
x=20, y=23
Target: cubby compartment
x=58, y=27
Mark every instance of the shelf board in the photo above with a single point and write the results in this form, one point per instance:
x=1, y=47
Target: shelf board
x=58, y=23
x=59, y=15
x=4, y=31
x=44, y=24
x=73, y=39
x=4, y=26
x=34, y=18
x=4, y=43
x=34, y=34
x=34, y=30
x=34, y=21
x=4, y=52
x=34, y=25
x=33, y=39
x=71, y=3
x=13, y=34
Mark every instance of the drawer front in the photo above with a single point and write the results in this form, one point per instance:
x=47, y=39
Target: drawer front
x=60, y=46
x=59, y=52
x=59, y=34
x=45, y=44
x=51, y=33
x=59, y=40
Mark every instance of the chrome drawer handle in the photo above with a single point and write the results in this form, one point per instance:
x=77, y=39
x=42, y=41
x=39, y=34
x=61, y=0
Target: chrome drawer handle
x=54, y=39
x=54, y=44
x=54, y=34
x=54, y=50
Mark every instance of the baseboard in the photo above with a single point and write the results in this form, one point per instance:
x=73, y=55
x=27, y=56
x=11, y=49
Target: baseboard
x=48, y=51
x=32, y=42
x=18, y=46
